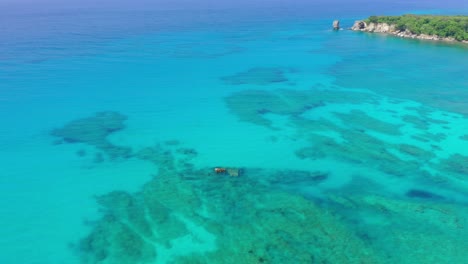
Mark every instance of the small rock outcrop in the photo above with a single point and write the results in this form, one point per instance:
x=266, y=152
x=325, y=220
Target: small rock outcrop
x=359, y=25
x=336, y=25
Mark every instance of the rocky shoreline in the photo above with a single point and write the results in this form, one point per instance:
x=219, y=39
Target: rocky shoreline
x=385, y=28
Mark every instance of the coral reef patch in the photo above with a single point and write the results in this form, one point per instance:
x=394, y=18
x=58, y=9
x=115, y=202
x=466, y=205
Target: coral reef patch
x=258, y=76
x=416, y=121
x=357, y=128
x=251, y=223
x=252, y=105
x=94, y=131
x=191, y=214
x=406, y=231
x=188, y=215
x=414, y=193
x=404, y=82
x=456, y=164
x=416, y=152
x=361, y=121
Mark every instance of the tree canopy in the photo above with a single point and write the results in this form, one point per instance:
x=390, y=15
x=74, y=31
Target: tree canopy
x=442, y=26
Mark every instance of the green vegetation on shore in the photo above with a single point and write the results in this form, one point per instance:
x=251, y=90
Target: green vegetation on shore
x=442, y=26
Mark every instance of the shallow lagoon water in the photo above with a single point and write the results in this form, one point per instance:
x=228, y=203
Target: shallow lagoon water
x=353, y=147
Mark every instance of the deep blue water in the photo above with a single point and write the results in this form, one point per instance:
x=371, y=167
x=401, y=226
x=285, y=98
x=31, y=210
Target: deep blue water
x=341, y=147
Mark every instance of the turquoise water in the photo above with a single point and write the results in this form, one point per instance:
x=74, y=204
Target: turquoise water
x=349, y=147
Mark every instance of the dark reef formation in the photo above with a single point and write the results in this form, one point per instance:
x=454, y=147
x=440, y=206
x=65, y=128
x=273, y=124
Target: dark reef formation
x=258, y=76
x=358, y=120
x=414, y=193
x=456, y=164
x=354, y=137
x=381, y=71
x=404, y=231
x=257, y=219
x=242, y=221
x=252, y=105
x=189, y=214
x=94, y=131
x=415, y=152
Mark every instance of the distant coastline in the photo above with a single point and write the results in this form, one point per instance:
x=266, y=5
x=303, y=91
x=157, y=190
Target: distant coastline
x=426, y=27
